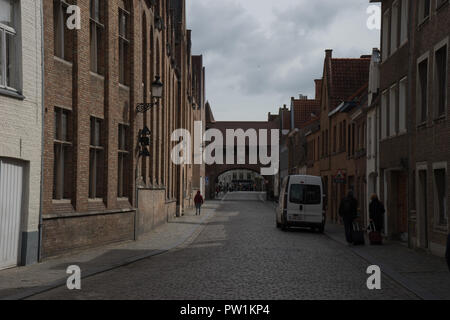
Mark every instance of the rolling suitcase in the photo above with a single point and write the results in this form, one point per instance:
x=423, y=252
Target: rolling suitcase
x=375, y=237
x=357, y=235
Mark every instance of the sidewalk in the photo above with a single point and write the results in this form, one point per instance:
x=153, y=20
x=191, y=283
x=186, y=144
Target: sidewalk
x=424, y=274
x=22, y=282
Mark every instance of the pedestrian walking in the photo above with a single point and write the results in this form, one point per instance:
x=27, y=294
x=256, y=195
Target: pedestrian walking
x=198, y=203
x=348, y=210
x=376, y=212
x=447, y=253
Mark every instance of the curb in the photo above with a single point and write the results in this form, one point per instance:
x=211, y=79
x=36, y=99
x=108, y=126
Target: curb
x=27, y=293
x=390, y=272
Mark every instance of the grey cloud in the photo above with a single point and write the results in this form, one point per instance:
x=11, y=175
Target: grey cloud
x=250, y=63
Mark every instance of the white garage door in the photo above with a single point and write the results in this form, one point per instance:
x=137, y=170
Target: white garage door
x=11, y=178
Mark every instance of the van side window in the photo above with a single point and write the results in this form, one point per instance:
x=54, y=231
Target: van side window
x=305, y=194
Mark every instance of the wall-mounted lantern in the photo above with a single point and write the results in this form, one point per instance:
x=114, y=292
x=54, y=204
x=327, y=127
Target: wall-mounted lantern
x=157, y=90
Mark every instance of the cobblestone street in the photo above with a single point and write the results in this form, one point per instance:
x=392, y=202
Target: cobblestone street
x=241, y=255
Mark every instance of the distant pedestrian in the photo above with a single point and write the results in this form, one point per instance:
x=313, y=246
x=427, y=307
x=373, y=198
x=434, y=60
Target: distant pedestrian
x=198, y=203
x=447, y=253
x=348, y=210
x=376, y=212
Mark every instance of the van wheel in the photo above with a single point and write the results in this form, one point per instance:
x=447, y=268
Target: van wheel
x=321, y=229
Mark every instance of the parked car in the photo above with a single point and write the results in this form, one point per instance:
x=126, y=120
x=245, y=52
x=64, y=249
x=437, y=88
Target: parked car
x=301, y=203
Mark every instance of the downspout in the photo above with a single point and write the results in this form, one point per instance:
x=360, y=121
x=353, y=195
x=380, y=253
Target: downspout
x=409, y=124
x=42, y=133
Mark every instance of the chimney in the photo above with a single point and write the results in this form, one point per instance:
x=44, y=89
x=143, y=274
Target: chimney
x=329, y=53
x=318, y=89
x=302, y=97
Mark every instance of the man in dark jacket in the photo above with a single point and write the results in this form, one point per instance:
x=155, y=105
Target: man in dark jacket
x=447, y=254
x=348, y=210
x=376, y=212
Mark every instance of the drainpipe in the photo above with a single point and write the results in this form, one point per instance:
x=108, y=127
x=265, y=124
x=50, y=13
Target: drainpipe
x=39, y=257
x=409, y=125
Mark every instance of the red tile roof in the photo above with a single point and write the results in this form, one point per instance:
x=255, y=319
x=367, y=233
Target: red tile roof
x=345, y=77
x=303, y=110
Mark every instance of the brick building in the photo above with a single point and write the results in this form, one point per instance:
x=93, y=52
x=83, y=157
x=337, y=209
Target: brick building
x=20, y=131
x=198, y=105
x=430, y=73
x=98, y=187
x=344, y=82
x=413, y=124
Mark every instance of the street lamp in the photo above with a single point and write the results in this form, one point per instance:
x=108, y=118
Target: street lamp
x=157, y=90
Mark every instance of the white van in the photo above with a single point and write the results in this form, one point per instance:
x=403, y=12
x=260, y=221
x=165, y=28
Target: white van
x=301, y=203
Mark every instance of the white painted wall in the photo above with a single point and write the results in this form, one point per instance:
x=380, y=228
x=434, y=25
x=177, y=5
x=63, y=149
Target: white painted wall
x=21, y=120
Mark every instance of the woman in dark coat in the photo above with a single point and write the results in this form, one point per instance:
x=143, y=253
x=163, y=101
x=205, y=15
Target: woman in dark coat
x=376, y=212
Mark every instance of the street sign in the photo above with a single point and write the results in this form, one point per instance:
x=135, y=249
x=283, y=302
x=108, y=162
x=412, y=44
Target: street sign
x=340, y=178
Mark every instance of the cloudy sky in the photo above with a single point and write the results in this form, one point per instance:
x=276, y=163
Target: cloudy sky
x=259, y=53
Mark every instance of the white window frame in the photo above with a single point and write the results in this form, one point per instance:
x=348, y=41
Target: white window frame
x=59, y=48
x=404, y=19
x=393, y=93
x=439, y=166
x=394, y=27
x=4, y=30
x=425, y=56
x=94, y=26
x=437, y=47
x=420, y=14
x=402, y=106
x=384, y=111
x=386, y=34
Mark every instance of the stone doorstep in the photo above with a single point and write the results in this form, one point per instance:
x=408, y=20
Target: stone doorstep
x=54, y=280
x=337, y=234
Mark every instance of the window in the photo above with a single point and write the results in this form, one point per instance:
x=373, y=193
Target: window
x=369, y=137
x=318, y=148
x=440, y=194
x=394, y=27
x=384, y=110
x=404, y=22
x=305, y=194
x=422, y=90
x=385, y=49
x=9, y=61
x=96, y=36
x=424, y=10
x=353, y=138
x=62, y=157
x=124, y=45
x=344, y=138
x=393, y=111
x=96, y=163
x=402, y=106
x=63, y=37
x=441, y=81
x=123, y=165
x=334, y=139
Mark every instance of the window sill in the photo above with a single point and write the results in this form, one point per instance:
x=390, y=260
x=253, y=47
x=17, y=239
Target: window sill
x=442, y=5
x=422, y=125
x=68, y=63
x=441, y=229
x=123, y=86
x=62, y=201
x=11, y=94
x=423, y=23
x=97, y=75
x=439, y=119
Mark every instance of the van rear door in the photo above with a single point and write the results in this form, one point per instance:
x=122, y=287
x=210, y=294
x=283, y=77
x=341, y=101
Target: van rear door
x=305, y=202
